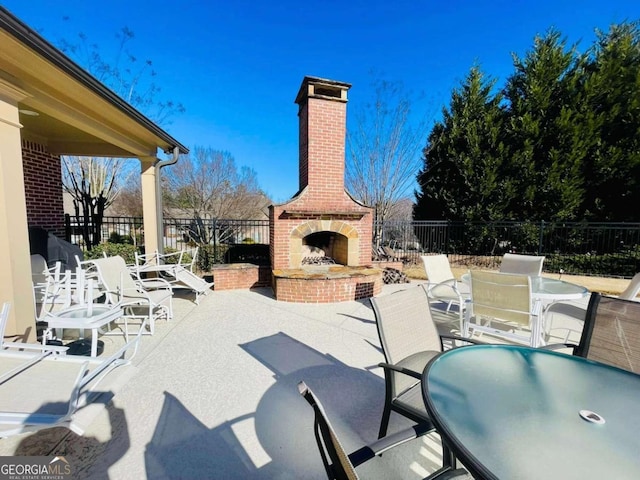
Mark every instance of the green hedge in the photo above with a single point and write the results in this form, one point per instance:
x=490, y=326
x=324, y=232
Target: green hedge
x=606, y=265
x=125, y=250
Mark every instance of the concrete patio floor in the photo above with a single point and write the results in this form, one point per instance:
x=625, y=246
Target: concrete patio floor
x=213, y=395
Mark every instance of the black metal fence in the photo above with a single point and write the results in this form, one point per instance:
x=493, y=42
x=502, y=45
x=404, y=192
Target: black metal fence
x=605, y=249
x=609, y=249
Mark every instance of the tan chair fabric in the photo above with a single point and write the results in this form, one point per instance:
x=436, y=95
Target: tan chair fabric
x=409, y=339
x=122, y=288
x=611, y=333
x=505, y=299
x=341, y=465
x=522, y=264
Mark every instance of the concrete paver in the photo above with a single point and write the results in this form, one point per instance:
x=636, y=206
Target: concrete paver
x=213, y=395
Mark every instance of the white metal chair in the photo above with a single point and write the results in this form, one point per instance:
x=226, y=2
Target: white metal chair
x=522, y=264
x=631, y=292
x=14, y=346
x=132, y=295
x=442, y=285
x=82, y=313
x=175, y=268
x=44, y=388
x=501, y=305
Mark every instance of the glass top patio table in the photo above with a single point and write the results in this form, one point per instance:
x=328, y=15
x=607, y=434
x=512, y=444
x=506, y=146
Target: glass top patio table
x=550, y=289
x=512, y=412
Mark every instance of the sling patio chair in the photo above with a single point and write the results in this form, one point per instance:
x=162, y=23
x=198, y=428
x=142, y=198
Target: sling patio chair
x=631, y=292
x=522, y=264
x=131, y=294
x=501, y=305
x=175, y=268
x=81, y=314
x=611, y=333
x=45, y=388
x=442, y=285
x=409, y=339
x=340, y=465
x=6, y=345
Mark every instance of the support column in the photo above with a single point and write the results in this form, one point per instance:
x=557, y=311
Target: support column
x=15, y=273
x=151, y=209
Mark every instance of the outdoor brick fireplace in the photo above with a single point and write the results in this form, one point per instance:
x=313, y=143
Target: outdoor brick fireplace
x=320, y=240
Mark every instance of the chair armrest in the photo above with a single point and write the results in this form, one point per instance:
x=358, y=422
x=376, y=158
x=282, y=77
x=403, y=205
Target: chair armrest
x=558, y=346
x=406, y=371
x=156, y=283
x=458, y=337
x=390, y=441
x=57, y=349
x=452, y=283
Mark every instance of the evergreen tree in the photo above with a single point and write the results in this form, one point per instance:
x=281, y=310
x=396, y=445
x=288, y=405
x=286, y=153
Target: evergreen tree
x=544, y=132
x=612, y=94
x=462, y=161
x=561, y=141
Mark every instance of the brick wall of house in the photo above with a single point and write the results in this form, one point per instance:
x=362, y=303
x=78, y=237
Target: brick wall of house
x=43, y=187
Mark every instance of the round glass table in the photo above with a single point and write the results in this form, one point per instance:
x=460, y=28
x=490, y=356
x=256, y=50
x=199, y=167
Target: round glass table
x=550, y=289
x=510, y=412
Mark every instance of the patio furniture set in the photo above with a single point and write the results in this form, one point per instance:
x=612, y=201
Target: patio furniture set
x=104, y=296
x=505, y=410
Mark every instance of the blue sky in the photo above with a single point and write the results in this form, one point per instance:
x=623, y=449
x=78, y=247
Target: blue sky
x=237, y=65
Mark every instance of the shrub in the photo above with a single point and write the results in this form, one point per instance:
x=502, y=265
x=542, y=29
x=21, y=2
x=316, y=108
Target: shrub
x=115, y=237
x=125, y=250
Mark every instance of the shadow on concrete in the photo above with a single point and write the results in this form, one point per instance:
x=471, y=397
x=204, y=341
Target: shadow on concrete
x=277, y=440
x=60, y=441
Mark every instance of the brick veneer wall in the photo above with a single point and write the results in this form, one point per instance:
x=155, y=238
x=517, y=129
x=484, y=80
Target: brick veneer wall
x=43, y=187
x=234, y=276
x=319, y=290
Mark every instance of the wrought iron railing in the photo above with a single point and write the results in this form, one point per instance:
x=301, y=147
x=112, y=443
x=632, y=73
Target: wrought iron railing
x=606, y=249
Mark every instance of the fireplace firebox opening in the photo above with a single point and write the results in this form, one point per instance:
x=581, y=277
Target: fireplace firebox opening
x=324, y=248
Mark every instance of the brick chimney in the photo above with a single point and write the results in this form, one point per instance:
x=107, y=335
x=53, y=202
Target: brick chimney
x=323, y=125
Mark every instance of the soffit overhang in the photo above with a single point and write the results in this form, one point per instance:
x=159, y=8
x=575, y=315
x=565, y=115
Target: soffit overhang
x=77, y=115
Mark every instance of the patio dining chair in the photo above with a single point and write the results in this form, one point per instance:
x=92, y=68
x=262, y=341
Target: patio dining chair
x=15, y=346
x=45, y=388
x=522, y=264
x=409, y=339
x=631, y=292
x=501, y=305
x=611, y=333
x=176, y=268
x=340, y=465
x=138, y=302
x=442, y=285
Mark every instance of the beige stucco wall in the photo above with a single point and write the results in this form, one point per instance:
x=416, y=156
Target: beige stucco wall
x=15, y=268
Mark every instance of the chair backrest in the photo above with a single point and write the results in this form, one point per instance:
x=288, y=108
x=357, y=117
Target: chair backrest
x=502, y=296
x=404, y=323
x=334, y=456
x=631, y=292
x=188, y=258
x=611, y=332
x=114, y=275
x=522, y=264
x=39, y=269
x=4, y=318
x=437, y=268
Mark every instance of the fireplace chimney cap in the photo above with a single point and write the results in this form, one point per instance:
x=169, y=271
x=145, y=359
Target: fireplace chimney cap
x=322, y=88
